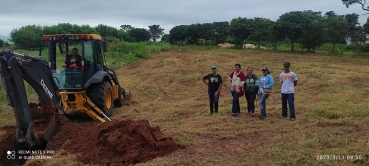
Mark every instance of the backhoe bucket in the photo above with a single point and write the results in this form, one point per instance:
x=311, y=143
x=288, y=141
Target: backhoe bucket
x=43, y=126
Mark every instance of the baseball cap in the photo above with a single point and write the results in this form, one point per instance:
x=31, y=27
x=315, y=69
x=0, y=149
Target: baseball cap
x=286, y=64
x=213, y=67
x=264, y=69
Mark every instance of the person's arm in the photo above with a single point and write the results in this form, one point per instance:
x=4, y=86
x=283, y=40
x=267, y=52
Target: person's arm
x=203, y=80
x=294, y=78
x=271, y=81
x=66, y=61
x=243, y=79
x=259, y=82
x=256, y=83
x=220, y=85
x=280, y=78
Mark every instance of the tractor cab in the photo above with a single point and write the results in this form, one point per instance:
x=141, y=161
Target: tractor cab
x=74, y=58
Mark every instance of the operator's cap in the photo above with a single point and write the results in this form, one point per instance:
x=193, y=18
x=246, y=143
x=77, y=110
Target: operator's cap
x=286, y=64
x=264, y=69
x=214, y=67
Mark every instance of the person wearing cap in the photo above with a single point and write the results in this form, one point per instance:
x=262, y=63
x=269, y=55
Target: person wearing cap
x=237, y=79
x=289, y=81
x=214, y=84
x=266, y=84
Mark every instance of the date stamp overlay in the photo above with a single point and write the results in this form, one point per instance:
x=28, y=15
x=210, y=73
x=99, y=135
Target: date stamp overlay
x=29, y=154
x=341, y=157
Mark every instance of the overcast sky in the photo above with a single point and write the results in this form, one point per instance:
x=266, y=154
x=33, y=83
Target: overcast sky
x=142, y=13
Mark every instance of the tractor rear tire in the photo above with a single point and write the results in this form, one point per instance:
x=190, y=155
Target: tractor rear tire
x=101, y=94
x=120, y=100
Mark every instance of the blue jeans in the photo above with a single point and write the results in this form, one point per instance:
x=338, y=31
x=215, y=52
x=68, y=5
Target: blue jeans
x=291, y=99
x=235, y=103
x=213, y=100
x=263, y=97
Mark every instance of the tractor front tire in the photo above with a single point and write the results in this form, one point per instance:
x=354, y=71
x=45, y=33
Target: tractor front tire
x=101, y=94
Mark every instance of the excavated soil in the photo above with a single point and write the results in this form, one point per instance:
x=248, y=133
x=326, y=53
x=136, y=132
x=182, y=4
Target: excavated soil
x=113, y=143
x=41, y=115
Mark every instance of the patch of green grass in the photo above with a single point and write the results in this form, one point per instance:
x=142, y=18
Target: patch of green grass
x=356, y=84
x=196, y=59
x=367, y=119
x=188, y=77
x=335, y=89
x=177, y=121
x=319, y=84
x=318, y=112
x=184, y=141
x=361, y=112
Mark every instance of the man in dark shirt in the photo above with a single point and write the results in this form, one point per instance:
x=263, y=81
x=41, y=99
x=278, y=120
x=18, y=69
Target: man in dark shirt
x=73, y=64
x=214, y=83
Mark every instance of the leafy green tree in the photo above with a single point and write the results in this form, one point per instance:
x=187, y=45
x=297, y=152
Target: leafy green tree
x=165, y=38
x=139, y=34
x=276, y=35
x=126, y=27
x=336, y=29
x=353, y=22
x=27, y=37
x=239, y=29
x=358, y=38
x=177, y=33
x=366, y=27
x=291, y=25
x=260, y=29
x=155, y=32
x=87, y=29
x=6, y=44
x=313, y=30
x=193, y=32
x=121, y=35
x=218, y=31
x=1, y=43
x=205, y=31
x=348, y=3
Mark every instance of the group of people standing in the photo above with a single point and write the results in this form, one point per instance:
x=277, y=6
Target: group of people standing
x=250, y=86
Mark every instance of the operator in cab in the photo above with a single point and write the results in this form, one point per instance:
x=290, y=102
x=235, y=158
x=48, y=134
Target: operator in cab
x=73, y=62
x=72, y=65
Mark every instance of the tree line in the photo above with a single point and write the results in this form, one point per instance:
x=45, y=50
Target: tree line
x=29, y=37
x=308, y=28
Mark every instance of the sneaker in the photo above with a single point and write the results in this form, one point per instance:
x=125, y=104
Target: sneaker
x=262, y=117
x=248, y=113
x=292, y=119
x=252, y=114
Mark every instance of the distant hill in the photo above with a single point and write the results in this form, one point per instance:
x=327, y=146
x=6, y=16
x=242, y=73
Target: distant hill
x=4, y=38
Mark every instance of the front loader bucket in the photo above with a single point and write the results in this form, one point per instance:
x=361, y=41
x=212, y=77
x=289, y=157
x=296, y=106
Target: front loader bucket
x=127, y=98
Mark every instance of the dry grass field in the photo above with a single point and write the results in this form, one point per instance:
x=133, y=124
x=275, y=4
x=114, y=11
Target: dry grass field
x=331, y=101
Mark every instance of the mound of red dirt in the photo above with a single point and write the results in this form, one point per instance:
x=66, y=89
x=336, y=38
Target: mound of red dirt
x=112, y=143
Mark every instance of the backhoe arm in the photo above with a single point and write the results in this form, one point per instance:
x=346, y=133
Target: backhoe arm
x=17, y=68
